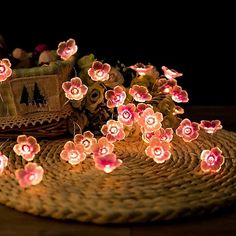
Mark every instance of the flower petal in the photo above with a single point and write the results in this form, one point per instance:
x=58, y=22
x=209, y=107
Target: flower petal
x=106, y=68
x=69, y=146
x=21, y=139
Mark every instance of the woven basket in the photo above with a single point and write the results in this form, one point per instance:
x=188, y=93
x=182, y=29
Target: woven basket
x=138, y=191
x=33, y=101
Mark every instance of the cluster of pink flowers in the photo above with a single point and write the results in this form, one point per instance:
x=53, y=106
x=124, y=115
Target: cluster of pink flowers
x=85, y=145
x=27, y=148
x=133, y=106
x=211, y=160
x=141, y=112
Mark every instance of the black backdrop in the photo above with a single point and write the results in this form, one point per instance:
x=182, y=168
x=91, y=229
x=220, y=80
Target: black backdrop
x=197, y=40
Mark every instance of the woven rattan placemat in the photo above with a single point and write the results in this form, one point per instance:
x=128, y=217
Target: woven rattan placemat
x=138, y=191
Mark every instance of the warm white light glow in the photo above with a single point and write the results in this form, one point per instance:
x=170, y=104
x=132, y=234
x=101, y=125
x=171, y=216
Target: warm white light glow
x=26, y=148
x=126, y=115
x=74, y=91
x=187, y=130
x=73, y=154
x=113, y=130
x=2, y=69
x=157, y=151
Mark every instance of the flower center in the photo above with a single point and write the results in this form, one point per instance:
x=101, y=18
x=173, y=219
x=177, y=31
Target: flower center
x=74, y=91
x=73, y=154
x=188, y=130
x=107, y=168
x=211, y=160
x=157, y=151
x=67, y=50
x=166, y=90
x=100, y=73
x=126, y=115
x=149, y=135
x=150, y=120
x=117, y=98
x=2, y=69
x=26, y=148
x=103, y=150
x=113, y=130
x=86, y=143
x=32, y=177
x=163, y=137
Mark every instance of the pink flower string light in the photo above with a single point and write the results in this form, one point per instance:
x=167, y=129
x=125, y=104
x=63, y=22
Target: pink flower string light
x=211, y=126
x=113, y=131
x=5, y=72
x=141, y=107
x=107, y=163
x=115, y=97
x=74, y=153
x=3, y=162
x=99, y=71
x=178, y=110
x=27, y=147
x=146, y=136
x=32, y=174
x=142, y=69
x=87, y=140
x=141, y=112
x=188, y=130
x=74, y=89
x=5, y=69
x=158, y=150
x=162, y=134
x=67, y=49
x=170, y=73
x=102, y=148
x=179, y=95
x=166, y=86
x=140, y=93
x=150, y=120
x=165, y=134
x=127, y=114
x=212, y=160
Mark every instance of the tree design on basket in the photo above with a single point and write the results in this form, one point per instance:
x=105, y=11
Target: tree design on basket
x=37, y=100
x=135, y=102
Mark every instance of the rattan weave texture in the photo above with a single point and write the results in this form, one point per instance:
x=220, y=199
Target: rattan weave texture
x=138, y=191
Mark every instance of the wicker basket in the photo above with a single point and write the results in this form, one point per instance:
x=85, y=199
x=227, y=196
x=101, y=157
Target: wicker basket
x=33, y=102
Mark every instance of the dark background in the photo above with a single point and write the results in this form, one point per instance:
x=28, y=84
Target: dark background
x=195, y=39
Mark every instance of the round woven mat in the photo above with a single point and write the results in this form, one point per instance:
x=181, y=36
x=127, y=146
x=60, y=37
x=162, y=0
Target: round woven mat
x=138, y=191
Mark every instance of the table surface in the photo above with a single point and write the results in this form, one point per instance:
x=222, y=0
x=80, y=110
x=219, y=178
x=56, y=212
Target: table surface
x=13, y=222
